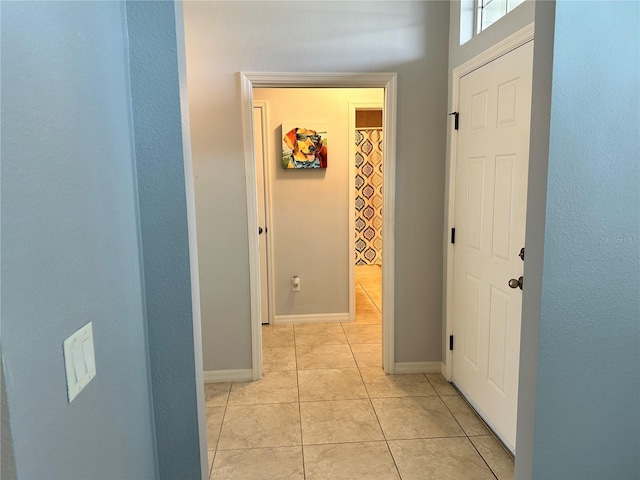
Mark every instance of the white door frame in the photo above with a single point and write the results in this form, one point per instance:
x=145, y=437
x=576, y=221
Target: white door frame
x=388, y=81
x=353, y=106
x=505, y=46
x=263, y=105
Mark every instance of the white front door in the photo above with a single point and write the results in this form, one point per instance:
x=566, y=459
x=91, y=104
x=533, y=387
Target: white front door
x=490, y=212
x=259, y=118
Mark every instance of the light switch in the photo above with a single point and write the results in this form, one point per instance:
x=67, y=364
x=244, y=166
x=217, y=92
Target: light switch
x=79, y=360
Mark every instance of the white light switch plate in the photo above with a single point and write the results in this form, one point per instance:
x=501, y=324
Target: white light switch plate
x=79, y=360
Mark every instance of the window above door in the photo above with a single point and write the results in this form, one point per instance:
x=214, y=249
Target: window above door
x=478, y=15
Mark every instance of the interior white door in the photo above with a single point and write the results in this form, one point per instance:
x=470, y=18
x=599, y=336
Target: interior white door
x=490, y=212
x=259, y=119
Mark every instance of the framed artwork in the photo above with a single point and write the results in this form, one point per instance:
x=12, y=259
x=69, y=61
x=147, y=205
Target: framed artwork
x=304, y=147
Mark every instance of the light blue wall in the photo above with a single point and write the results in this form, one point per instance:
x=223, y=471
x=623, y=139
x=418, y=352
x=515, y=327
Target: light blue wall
x=163, y=226
x=578, y=410
x=587, y=423
x=70, y=243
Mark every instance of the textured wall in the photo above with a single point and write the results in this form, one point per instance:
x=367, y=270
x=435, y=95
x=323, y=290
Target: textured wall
x=164, y=237
x=310, y=209
x=587, y=422
x=70, y=243
x=224, y=38
x=8, y=461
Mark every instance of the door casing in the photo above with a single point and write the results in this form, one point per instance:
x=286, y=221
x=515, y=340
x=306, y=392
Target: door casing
x=387, y=81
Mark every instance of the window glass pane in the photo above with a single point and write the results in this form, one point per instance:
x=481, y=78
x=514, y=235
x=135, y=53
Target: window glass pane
x=492, y=11
x=511, y=4
x=467, y=10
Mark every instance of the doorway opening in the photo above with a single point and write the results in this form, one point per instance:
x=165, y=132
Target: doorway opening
x=314, y=181
x=368, y=197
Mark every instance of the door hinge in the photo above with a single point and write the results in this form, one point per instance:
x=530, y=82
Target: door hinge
x=453, y=235
x=450, y=342
x=456, y=120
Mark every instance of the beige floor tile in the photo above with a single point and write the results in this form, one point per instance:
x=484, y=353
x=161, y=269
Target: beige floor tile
x=372, y=285
x=339, y=421
x=216, y=394
x=284, y=463
x=380, y=385
x=363, y=300
x=366, y=310
x=441, y=385
x=415, y=417
x=367, y=316
x=210, y=455
x=358, y=334
x=324, y=356
x=277, y=336
x=439, y=458
x=368, y=355
x=319, y=334
x=316, y=327
x=376, y=298
x=214, y=422
x=274, y=387
x=349, y=461
x=496, y=457
x=368, y=270
x=362, y=297
x=466, y=417
x=330, y=384
x=252, y=426
x=278, y=359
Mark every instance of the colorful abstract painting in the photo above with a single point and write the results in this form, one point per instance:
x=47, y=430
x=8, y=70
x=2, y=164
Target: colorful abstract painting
x=304, y=147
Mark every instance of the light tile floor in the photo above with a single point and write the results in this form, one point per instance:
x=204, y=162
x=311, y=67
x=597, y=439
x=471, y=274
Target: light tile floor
x=325, y=410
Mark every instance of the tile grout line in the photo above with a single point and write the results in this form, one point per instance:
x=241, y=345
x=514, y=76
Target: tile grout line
x=295, y=351
x=466, y=435
x=482, y=457
x=384, y=435
x=369, y=296
x=224, y=414
x=373, y=408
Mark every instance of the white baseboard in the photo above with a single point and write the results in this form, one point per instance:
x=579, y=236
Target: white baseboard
x=239, y=375
x=417, y=367
x=313, y=318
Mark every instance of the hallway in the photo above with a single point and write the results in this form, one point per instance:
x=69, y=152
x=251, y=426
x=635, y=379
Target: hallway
x=326, y=410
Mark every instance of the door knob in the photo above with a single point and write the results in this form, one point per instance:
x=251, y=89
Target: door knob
x=259, y=230
x=513, y=283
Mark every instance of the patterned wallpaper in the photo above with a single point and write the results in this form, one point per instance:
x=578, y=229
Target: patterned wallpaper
x=368, y=197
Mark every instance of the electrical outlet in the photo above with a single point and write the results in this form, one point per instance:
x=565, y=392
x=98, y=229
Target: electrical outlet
x=295, y=283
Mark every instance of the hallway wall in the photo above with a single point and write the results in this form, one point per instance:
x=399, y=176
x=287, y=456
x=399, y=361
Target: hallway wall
x=70, y=243
x=224, y=38
x=580, y=361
